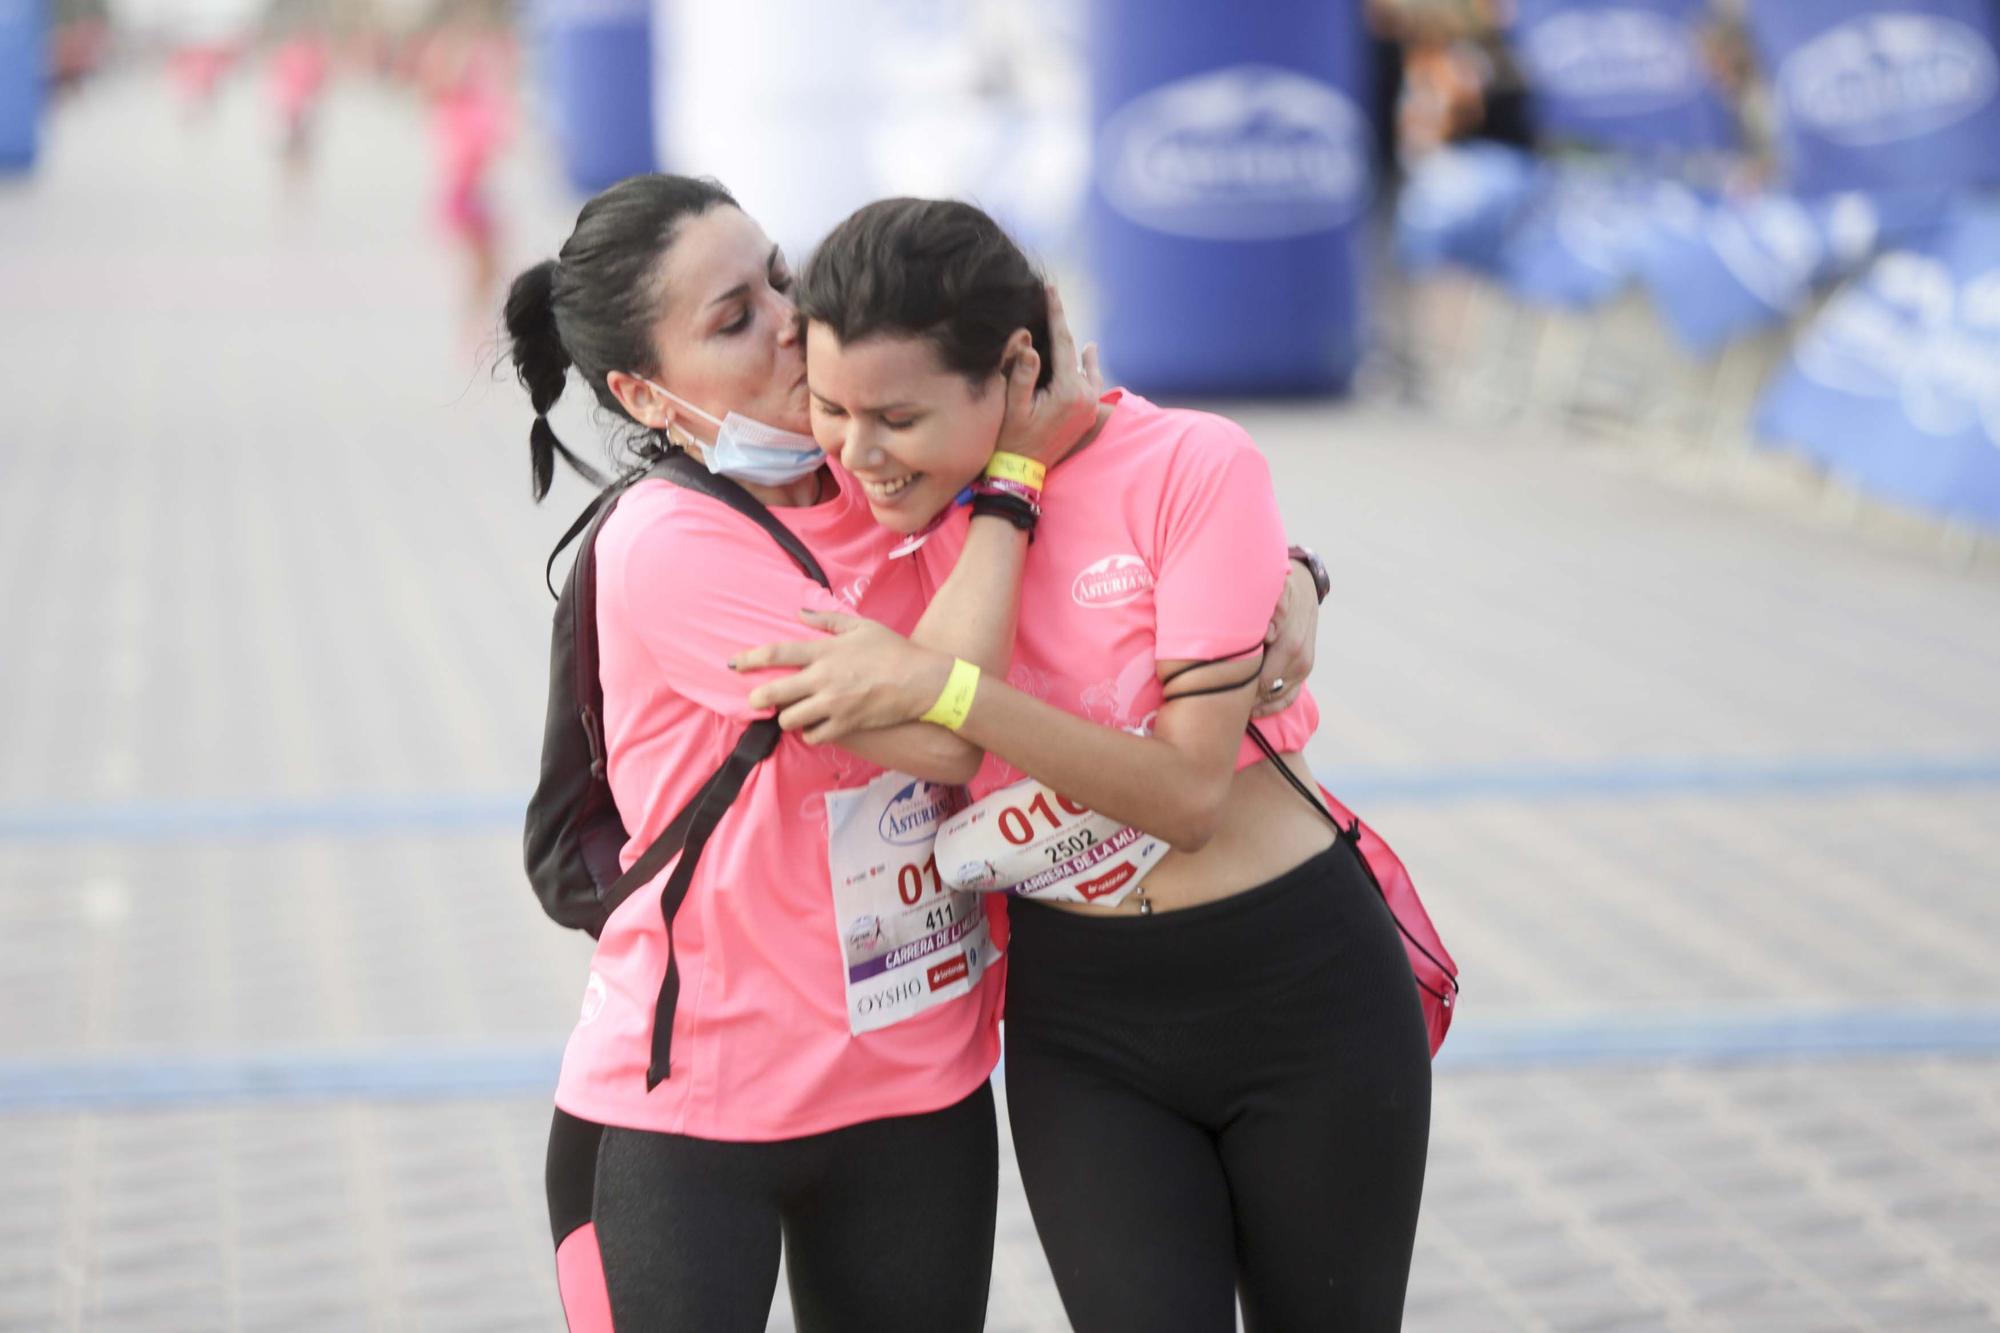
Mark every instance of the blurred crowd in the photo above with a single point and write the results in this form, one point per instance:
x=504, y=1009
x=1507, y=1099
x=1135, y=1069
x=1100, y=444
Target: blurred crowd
x=458, y=60
x=1446, y=71
x=1819, y=177
x=1799, y=202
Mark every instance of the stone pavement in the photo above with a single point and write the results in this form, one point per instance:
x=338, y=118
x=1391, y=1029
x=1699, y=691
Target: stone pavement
x=278, y=1011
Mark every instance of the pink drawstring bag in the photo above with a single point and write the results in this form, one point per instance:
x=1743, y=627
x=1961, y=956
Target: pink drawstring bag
x=1436, y=974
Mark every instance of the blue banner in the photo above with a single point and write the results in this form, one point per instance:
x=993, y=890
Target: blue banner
x=1581, y=238
x=1622, y=74
x=23, y=80
x=1872, y=95
x=1459, y=203
x=1719, y=269
x=1896, y=385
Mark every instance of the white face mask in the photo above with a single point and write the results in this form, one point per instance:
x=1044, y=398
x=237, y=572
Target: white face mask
x=752, y=451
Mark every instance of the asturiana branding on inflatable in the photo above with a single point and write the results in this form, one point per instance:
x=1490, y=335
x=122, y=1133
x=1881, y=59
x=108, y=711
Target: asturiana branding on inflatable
x=1247, y=152
x=1626, y=62
x=1881, y=78
x=1913, y=332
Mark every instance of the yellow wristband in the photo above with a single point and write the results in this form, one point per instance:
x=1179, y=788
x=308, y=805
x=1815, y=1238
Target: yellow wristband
x=1015, y=467
x=955, y=701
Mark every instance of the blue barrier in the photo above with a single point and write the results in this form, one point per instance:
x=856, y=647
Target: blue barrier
x=23, y=80
x=1459, y=204
x=1581, y=238
x=1717, y=270
x=175, y=1077
x=1895, y=387
x=1621, y=74
x=597, y=70
x=1231, y=168
x=1872, y=96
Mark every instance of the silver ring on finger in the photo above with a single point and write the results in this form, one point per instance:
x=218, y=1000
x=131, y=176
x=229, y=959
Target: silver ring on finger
x=1277, y=686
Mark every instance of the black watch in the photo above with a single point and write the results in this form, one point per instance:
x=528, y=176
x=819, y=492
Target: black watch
x=1316, y=567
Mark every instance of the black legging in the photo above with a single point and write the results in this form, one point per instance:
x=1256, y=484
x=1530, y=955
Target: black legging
x=886, y=1225
x=1236, y=1095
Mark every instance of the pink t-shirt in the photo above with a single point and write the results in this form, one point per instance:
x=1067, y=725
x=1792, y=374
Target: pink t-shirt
x=1159, y=541
x=761, y=1044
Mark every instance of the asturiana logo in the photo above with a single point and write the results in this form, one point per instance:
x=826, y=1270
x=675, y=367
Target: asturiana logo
x=913, y=813
x=1112, y=581
x=594, y=995
x=1885, y=77
x=1628, y=61
x=1248, y=152
x=1913, y=332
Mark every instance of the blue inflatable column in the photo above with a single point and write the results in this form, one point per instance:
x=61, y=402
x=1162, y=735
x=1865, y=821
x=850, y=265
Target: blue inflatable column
x=1230, y=173
x=597, y=71
x=23, y=80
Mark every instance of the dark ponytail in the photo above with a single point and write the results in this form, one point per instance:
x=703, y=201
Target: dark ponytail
x=594, y=307
x=543, y=368
x=935, y=269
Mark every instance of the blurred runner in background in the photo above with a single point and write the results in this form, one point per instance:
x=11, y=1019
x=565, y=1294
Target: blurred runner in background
x=467, y=68
x=297, y=77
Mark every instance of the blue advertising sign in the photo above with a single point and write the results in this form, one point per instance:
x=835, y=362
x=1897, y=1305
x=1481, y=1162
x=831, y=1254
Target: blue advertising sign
x=1231, y=169
x=1876, y=95
x=1622, y=74
x=1896, y=385
x=23, y=80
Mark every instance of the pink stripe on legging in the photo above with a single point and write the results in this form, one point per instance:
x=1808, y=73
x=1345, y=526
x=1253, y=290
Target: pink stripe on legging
x=580, y=1280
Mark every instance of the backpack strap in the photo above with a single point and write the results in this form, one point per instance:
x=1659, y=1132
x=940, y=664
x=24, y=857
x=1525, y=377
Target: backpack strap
x=708, y=808
x=688, y=832
x=595, y=509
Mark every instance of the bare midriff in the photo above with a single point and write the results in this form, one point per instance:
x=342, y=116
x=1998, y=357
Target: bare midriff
x=1266, y=830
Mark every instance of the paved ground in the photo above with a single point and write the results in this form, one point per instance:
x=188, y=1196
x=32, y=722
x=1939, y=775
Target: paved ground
x=1702, y=791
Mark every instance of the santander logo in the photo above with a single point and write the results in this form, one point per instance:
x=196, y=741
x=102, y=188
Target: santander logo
x=1112, y=581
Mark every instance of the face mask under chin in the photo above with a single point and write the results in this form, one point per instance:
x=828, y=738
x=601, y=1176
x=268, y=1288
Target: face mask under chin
x=751, y=450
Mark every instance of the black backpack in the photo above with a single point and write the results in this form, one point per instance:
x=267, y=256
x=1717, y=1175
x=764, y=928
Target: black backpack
x=574, y=832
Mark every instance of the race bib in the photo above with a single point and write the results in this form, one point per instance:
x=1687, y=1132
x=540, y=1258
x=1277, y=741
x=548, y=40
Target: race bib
x=910, y=941
x=1026, y=840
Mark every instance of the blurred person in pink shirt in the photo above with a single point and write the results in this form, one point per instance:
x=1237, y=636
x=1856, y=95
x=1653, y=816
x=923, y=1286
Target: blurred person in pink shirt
x=297, y=78
x=467, y=70
x=197, y=68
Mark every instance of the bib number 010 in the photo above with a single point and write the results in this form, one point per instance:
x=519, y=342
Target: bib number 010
x=1016, y=827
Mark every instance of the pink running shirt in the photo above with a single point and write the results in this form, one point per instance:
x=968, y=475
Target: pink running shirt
x=1159, y=541
x=761, y=1045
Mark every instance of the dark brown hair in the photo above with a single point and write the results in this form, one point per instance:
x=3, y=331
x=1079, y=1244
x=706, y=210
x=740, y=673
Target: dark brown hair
x=935, y=269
